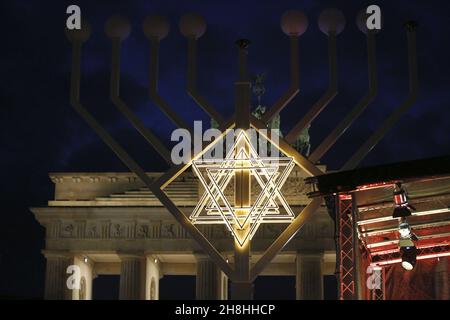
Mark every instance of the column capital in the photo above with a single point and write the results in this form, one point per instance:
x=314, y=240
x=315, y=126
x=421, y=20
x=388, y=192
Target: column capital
x=200, y=256
x=154, y=260
x=130, y=255
x=82, y=256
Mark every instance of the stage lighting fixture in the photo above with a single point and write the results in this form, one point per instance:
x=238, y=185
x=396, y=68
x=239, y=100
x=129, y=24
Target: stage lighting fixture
x=402, y=208
x=409, y=257
x=404, y=229
x=400, y=212
x=405, y=242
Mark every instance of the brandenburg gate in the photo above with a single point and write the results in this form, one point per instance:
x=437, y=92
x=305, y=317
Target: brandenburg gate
x=109, y=224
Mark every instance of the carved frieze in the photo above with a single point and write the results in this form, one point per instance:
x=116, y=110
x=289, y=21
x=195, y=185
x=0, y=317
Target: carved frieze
x=143, y=231
x=126, y=229
x=93, y=230
x=52, y=229
x=117, y=230
x=68, y=229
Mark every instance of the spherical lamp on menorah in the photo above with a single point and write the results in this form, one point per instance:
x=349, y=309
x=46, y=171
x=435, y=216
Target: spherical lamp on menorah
x=118, y=27
x=156, y=27
x=80, y=35
x=192, y=25
x=331, y=20
x=294, y=23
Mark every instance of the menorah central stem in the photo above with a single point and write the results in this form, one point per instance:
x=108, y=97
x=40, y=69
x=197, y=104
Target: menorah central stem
x=242, y=287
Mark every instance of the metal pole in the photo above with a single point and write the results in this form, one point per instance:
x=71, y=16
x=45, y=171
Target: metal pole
x=357, y=110
x=153, y=88
x=397, y=113
x=125, y=110
x=192, y=83
x=293, y=90
x=325, y=99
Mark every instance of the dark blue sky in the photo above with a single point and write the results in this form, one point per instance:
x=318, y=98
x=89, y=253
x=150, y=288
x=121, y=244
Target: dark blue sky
x=40, y=133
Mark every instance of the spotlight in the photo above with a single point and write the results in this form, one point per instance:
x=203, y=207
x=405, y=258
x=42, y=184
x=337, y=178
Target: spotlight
x=400, y=212
x=409, y=255
x=405, y=242
x=85, y=260
x=402, y=208
x=406, y=235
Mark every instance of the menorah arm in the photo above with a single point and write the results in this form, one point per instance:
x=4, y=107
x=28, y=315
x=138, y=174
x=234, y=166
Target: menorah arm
x=125, y=110
x=397, y=113
x=293, y=88
x=286, y=148
x=192, y=83
x=325, y=99
x=195, y=233
x=134, y=166
x=153, y=88
x=93, y=123
x=302, y=218
x=362, y=104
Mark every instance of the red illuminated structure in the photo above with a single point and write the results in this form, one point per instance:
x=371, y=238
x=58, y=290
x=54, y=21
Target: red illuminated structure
x=367, y=229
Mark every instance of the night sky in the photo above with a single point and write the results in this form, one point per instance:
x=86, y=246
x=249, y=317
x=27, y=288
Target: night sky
x=41, y=133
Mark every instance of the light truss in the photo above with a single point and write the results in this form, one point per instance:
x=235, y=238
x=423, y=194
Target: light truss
x=417, y=213
x=423, y=252
x=346, y=258
x=270, y=173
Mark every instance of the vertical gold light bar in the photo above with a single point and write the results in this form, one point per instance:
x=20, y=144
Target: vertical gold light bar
x=242, y=288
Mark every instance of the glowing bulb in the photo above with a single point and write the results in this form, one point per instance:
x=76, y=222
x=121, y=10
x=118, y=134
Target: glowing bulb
x=407, y=265
x=409, y=257
x=404, y=233
x=404, y=229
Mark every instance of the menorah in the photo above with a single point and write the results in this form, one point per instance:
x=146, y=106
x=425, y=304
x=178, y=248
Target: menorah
x=294, y=24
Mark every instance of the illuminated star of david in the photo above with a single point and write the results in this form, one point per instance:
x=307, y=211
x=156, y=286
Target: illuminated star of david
x=215, y=175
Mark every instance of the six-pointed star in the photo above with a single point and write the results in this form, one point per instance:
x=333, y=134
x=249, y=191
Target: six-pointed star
x=270, y=173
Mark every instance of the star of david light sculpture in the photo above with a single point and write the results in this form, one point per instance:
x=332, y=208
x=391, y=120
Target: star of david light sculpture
x=269, y=173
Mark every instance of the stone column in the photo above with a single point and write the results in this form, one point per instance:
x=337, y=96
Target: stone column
x=223, y=286
x=207, y=284
x=441, y=279
x=86, y=267
x=152, y=274
x=56, y=276
x=309, y=278
x=132, y=277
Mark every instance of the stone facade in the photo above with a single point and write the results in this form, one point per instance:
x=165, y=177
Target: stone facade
x=108, y=223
